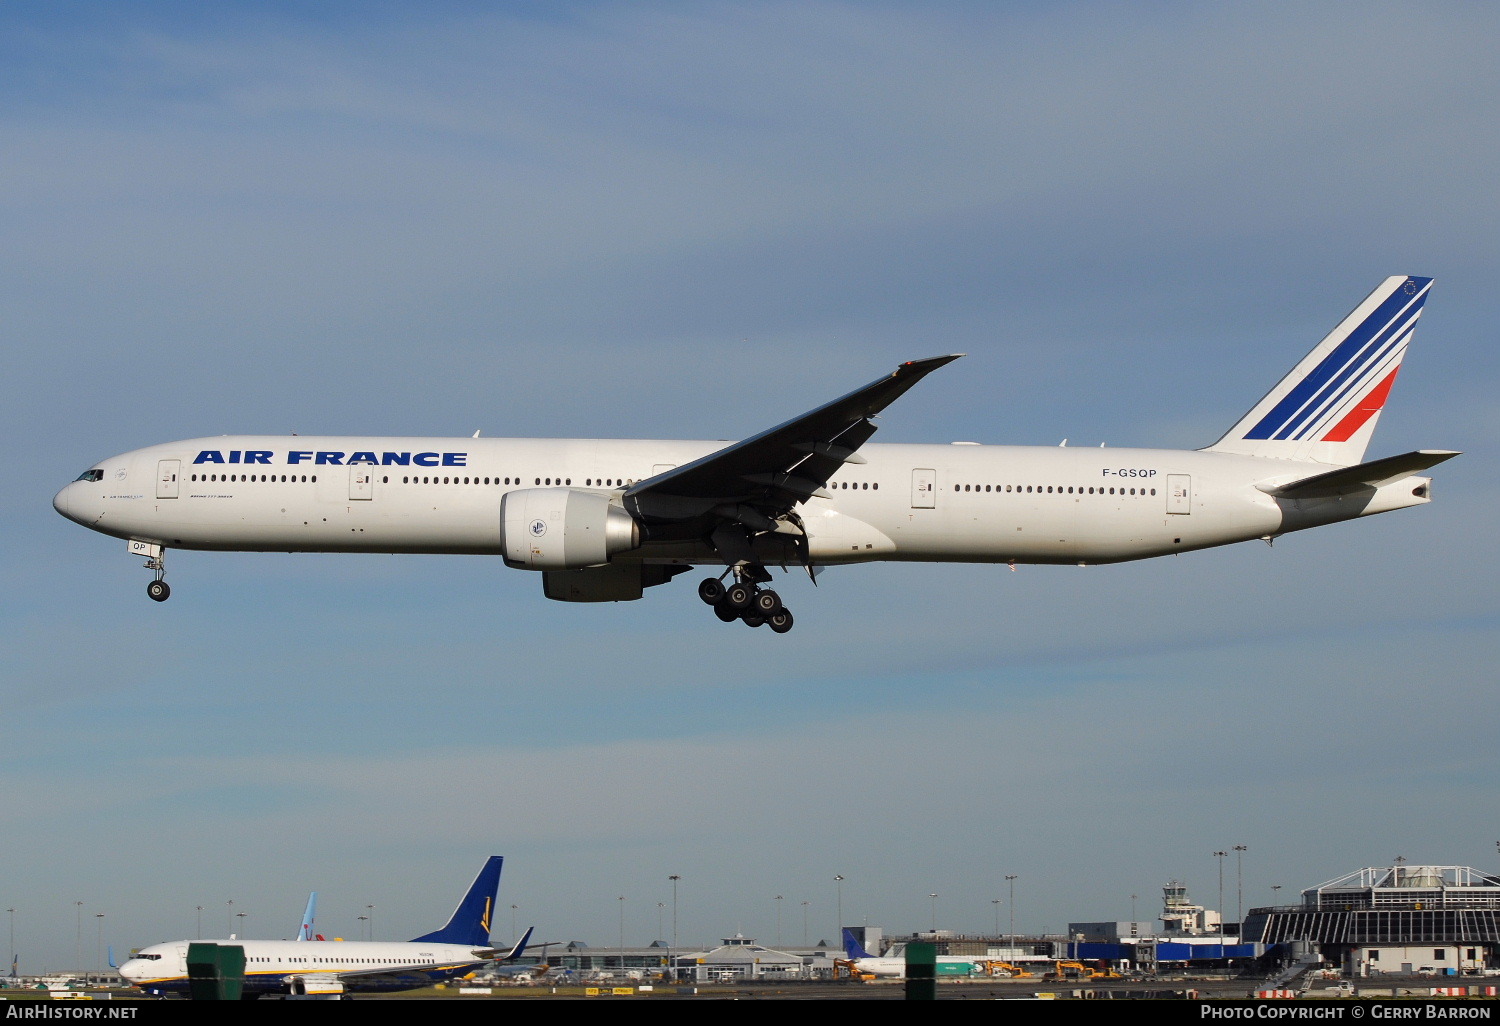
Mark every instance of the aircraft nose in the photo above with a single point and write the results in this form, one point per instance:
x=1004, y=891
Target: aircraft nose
x=60, y=502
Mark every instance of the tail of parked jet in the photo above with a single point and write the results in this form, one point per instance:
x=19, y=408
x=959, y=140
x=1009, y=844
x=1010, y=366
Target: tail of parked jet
x=305, y=931
x=853, y=948
x=1325, y=410
x=470, y=923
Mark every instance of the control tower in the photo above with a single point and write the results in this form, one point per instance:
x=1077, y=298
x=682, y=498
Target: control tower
x=1179, y=915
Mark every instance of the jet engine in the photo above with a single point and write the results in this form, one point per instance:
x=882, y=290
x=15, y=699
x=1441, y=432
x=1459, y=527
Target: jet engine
x=563, y=529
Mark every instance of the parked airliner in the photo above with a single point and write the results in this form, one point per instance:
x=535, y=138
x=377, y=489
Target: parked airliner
x=893, y=962
x=602, y=520
x=316, y=966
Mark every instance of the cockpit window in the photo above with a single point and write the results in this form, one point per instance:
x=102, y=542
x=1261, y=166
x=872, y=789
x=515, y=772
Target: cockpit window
x=92, y=475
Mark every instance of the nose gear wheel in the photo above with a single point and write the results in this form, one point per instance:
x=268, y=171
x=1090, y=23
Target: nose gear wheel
x=157, y=589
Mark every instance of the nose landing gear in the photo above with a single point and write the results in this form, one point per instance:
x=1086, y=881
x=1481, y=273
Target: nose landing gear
x=157, y=589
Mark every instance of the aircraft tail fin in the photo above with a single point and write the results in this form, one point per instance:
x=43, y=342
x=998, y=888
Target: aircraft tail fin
x=305, y=931
x=470, y=922
x=852, y=947
x=1325, y=409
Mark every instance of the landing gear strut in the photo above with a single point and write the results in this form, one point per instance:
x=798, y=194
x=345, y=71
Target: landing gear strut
x=157, y=589
x=745, y=601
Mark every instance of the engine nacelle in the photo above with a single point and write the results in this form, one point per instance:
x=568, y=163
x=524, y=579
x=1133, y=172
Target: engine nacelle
x=563, y=529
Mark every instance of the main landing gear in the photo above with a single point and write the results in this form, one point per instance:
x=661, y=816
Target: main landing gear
x=745, y=600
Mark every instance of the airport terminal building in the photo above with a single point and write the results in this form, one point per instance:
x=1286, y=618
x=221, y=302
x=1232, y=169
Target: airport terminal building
x=1439, y=920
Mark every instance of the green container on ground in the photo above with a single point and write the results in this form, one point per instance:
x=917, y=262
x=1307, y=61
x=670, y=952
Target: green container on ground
x=216, y=972
x=921, y=971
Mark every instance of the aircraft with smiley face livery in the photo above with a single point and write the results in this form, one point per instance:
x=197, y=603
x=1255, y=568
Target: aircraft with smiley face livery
x=602, y=520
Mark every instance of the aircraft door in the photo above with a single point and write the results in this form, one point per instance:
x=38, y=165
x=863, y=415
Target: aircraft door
x=361, y=482
x=167, y=473
x=1179, y=493
x=923, y=488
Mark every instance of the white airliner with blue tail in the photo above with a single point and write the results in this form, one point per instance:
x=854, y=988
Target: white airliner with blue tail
x=893, y=962
x=602, y=520
x=310, y=965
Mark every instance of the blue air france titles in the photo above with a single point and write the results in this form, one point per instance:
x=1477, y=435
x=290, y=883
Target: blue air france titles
x=265, y=457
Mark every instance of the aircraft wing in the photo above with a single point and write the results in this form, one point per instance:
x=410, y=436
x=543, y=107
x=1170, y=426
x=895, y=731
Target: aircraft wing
x=1363, y=476
x=397, y=974
x=762, y=477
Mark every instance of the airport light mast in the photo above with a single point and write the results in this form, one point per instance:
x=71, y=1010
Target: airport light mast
x=674, y=878
x=839, y=929
x=1239, y=884
x=1220, y=856
x=1011, y=879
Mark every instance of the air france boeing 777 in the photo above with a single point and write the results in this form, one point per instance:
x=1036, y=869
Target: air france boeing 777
x=602, y=520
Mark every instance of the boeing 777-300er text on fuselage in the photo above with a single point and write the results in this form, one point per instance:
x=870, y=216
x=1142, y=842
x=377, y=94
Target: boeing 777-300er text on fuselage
x=602, y=520
x=312, y=966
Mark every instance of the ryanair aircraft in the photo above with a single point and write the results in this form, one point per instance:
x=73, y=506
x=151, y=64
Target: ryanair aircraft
x=603, y=520
x=311, y=965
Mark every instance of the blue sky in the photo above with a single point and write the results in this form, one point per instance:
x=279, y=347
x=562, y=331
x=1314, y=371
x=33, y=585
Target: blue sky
x=697, y=220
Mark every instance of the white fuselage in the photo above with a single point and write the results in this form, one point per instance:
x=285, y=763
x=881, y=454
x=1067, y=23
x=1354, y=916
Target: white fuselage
x=942, y=503
x=274, y=966
x=895, y=965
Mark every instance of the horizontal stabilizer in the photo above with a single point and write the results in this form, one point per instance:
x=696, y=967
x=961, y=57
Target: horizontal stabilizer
x=1363, y=476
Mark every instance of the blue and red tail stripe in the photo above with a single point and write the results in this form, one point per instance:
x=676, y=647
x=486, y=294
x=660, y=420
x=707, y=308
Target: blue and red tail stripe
x=1370, y=405
x=1363, y=365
